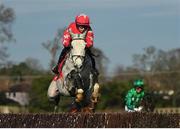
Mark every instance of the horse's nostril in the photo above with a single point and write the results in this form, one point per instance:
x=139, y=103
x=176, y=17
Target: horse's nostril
x=78, y=62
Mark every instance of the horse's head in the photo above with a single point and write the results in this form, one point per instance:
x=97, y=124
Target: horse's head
x=78, y=52
x=148, y=103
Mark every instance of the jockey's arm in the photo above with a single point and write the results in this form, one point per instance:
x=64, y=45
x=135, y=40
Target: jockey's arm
x=66, y=39
x=129, y=100
x=89, y=39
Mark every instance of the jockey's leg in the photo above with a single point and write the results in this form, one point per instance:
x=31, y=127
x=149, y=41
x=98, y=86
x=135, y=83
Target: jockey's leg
x=61, y=57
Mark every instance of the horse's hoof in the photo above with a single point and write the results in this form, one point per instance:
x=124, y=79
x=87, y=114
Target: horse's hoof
x=96, y=87
x=80, y=91
x=79, y=97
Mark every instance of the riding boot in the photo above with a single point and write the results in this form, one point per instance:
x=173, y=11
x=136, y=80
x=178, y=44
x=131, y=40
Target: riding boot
x=55, y=69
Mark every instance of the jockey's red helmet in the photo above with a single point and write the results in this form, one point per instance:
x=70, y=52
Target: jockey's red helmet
x=82, y=19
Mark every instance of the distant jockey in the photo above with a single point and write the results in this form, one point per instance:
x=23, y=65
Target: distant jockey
x=134, y=97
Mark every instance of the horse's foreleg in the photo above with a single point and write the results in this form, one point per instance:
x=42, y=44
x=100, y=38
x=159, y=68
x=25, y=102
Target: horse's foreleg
x=95, y=93
x=77, y=84
x=79, y=95
x=94, y=97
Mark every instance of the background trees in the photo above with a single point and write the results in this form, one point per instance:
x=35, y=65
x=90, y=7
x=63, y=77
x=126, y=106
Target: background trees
x=53, y=47
x=101, y=62
x=7, y=16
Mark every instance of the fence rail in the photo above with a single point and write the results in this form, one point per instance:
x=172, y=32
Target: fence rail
x=85, y=120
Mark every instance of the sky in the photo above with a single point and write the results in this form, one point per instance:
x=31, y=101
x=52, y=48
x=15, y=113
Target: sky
x=121, y=27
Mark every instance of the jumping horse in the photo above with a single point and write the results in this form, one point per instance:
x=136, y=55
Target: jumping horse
x=76, y=79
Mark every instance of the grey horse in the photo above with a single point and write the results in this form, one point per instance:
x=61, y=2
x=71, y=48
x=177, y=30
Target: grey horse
x=76, y=79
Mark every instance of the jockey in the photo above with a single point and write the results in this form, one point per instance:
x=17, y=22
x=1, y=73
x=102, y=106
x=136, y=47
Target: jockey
x=134, y=96
x=80, y=26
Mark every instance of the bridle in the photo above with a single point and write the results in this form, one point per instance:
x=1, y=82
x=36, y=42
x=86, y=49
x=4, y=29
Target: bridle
x=77, y=53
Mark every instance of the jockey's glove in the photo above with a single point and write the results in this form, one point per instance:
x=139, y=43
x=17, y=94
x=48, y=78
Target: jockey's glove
x=138, y=109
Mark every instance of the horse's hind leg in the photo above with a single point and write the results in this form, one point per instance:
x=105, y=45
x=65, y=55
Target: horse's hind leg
x=53, y=95
x=56, y=103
